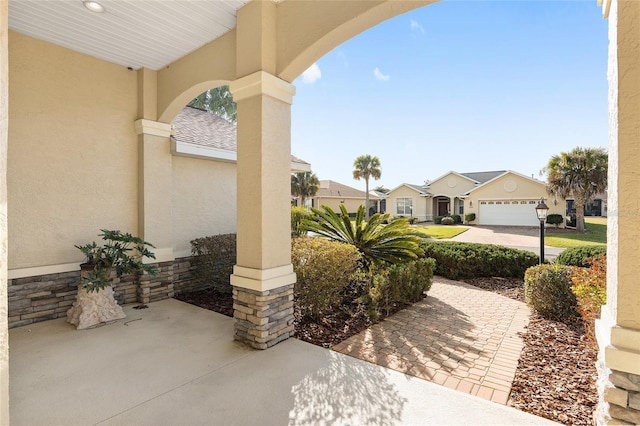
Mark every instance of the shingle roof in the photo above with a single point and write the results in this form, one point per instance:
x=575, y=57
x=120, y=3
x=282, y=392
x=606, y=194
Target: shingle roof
x=330, y=188
x=419, y=188
x=483, y=177
x=198, y=127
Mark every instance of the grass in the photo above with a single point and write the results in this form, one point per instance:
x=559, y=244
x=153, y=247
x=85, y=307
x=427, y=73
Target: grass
x=440, y=232
x=596, y=235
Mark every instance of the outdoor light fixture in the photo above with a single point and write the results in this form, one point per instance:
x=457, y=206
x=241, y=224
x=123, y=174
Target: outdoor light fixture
x=470, y=203
x=93, y=6
x=541, y=212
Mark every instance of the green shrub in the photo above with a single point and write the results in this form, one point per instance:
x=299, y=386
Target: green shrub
x=213, y=260
x=547, y=289
x=555, y=219
x=469, y=217
x=577, y=256
x=397, y=285
x=468, y=260
x=324, y=270
x=456, y=218
x=438, y=220
x=298, y=214
x=447, y=220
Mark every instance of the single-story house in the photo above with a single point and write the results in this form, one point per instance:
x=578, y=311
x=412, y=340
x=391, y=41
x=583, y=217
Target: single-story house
x=334, y=194
x=85, y=126
x=500, y=197
x=201, y=183
x=597, y=207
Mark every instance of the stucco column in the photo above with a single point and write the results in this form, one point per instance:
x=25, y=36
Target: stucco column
x=263, y=276
x=4, y=124
x=155, y=205
x=619, y=327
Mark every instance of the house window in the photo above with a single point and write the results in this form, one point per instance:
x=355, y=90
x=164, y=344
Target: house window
x=461, y=208
x=404, y=206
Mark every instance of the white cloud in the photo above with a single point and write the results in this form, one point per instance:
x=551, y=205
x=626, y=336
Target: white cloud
x=415, y=26
x=312, y=74
x=380, y=76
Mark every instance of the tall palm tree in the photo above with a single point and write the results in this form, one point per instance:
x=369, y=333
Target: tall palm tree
x=304, y=185
x=366, y=166
x=217, y=101
x=581, y=173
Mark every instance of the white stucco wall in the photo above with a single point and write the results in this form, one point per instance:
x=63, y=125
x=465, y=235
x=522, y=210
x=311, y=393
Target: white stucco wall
x=203, y=199
x=72, y=151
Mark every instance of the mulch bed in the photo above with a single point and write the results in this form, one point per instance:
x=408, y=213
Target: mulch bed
x=556, y=372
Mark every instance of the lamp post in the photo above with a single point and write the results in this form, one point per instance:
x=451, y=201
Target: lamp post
x=541, y=212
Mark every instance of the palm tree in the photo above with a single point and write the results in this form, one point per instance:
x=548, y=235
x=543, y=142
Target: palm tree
x=217, y=101
x=303, y=185
x=365, y=167
x=581, y=173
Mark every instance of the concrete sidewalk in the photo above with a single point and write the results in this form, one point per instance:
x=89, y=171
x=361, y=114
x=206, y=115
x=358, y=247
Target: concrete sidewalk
x=177, y=364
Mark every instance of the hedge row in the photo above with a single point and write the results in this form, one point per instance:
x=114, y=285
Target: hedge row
x=468, y=260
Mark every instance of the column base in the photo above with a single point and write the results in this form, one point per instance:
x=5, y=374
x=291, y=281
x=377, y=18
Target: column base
x=618, y=373
x=263, y=318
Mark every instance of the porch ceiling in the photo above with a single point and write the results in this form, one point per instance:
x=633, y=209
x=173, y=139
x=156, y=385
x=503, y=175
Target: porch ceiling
x=132, y=33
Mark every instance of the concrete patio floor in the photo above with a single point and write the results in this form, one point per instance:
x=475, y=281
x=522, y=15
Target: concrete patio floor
x=177, y=364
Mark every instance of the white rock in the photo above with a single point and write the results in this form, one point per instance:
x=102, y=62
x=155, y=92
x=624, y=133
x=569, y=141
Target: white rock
x=93, y=308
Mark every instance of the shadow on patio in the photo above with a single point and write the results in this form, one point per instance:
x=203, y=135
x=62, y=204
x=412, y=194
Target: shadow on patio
x=175, y=363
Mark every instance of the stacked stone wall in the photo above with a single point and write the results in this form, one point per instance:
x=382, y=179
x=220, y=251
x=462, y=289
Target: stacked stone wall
x=46, y=297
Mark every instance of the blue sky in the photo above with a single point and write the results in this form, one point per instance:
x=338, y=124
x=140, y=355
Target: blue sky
x=459, y=85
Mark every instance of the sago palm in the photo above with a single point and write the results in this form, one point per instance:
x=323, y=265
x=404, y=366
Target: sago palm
x=378, y=243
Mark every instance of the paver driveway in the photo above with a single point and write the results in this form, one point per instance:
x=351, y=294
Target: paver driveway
x=459, y=336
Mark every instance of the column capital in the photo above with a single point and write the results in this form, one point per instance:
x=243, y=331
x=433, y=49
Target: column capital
x=262, y=83
x=150, y=127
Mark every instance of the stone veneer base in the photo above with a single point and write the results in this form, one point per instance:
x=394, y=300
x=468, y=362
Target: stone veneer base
x=46, y=297
x=263, y=318
x=619, y=397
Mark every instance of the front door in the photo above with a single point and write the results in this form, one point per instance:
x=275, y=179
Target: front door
x=443, y=207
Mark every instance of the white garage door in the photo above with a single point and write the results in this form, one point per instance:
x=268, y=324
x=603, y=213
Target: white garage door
x=511, y=213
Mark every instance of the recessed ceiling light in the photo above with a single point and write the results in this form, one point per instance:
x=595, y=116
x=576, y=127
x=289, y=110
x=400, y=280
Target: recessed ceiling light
x=93, y=6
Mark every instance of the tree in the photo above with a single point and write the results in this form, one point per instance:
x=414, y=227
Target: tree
x=304, y=185
x=365, y=167
x=581, y=174
x=217, y=101
x=382, y=188
x=378, y=243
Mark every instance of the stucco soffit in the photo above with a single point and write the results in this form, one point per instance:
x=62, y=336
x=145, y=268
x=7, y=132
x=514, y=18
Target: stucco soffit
x=155, y=128
x=262, y=83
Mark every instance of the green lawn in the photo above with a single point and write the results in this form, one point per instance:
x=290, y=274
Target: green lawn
x=596, y=235
x=440, y=232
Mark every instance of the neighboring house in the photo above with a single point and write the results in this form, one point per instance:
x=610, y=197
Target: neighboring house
x=499, y=197
x=333, y=194
x=598, y=207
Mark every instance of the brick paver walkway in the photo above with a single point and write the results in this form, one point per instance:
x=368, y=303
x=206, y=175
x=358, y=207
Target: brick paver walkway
x=460, y=337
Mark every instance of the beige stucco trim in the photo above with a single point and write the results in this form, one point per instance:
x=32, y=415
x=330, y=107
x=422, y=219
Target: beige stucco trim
x=4, y=235
x=262, y=83
x=155, y=128
x=43, y=270
x=262, y=279
x=182, y=149
x=164, y=254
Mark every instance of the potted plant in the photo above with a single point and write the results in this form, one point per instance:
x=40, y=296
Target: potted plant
x=120, y=254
